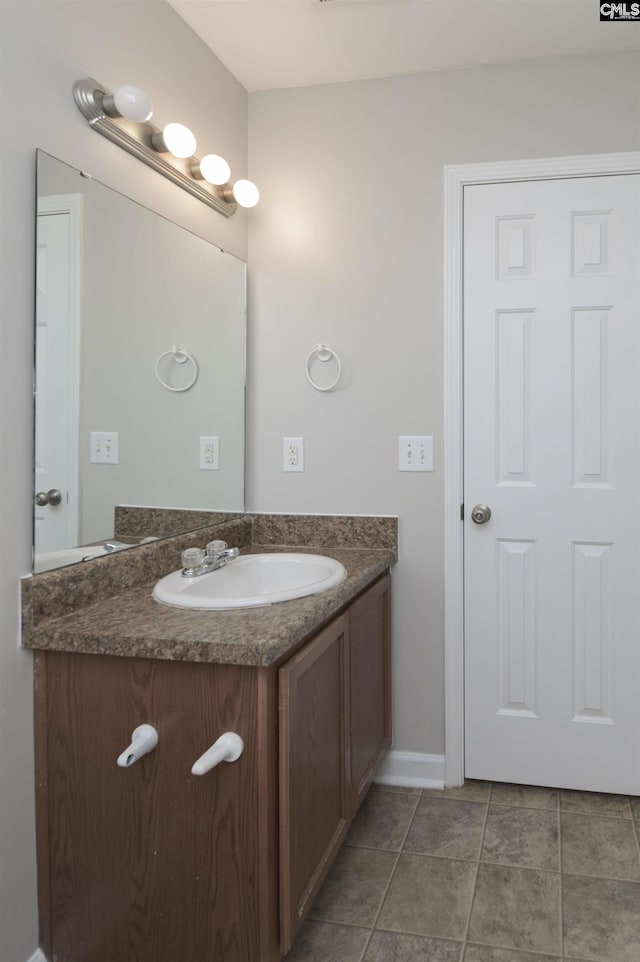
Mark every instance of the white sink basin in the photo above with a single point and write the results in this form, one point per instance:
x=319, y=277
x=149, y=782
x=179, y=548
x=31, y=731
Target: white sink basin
x=252, y=580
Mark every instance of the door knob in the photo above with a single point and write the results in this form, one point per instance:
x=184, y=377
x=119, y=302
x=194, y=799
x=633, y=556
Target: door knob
x=480, y=514
x=53, y=497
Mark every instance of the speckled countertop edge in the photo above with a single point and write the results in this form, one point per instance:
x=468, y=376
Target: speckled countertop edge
x=132, y=624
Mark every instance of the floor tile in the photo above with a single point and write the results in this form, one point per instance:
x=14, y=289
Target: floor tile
x=524, y=796
x=595, y=803
x=382, y=821
x=355, y=887
x=517, y=908
x=601, y=919
x=429, y=896
x=486, y=953
x=325, y=942
x=447, y=827
x=471, y=791
x=398, y=947
x=522, y=836
x=603, y=847
x=423, y=899
x=396, y=789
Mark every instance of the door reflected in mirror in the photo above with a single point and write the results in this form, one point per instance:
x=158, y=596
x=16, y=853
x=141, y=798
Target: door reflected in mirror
x=140, y=372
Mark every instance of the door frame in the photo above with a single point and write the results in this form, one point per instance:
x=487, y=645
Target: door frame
x=456, y=178
x=73, y=206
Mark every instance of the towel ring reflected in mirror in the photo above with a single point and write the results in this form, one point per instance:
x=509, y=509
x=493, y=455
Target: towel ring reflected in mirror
x=180, y=357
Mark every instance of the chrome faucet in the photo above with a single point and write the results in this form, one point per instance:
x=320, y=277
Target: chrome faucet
x=198, y=562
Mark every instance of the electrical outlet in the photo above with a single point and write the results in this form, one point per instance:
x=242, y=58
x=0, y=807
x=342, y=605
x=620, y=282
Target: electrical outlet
x=209, y=454
x=415, y=453
x=103, y=447
x=293, y=454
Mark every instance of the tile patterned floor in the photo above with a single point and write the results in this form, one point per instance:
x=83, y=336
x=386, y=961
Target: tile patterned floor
x=482, y=873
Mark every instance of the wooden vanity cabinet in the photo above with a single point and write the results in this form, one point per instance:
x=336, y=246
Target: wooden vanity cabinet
x=151, y=863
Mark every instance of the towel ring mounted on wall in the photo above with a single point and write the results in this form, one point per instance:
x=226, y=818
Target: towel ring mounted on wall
x=180, y=357
x=323, y=353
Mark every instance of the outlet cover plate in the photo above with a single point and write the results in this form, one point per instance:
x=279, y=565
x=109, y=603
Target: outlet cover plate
x=293, y=454
x=209, y=453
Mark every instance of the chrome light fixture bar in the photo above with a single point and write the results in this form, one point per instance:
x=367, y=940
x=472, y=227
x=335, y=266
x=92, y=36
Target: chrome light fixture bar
x=95, y=102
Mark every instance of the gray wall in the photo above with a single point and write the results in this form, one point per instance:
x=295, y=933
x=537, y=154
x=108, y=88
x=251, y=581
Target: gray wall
x=346, y=247
x=45, y=48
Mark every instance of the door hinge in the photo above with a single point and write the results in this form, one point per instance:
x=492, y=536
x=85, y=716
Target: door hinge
x=462, y=512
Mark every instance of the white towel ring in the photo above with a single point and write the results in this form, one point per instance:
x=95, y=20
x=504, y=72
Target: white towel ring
x=323, y=353
x=180, y=357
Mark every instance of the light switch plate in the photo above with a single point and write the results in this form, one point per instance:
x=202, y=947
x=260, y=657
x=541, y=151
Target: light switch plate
x=415, y=452
x=103, y=447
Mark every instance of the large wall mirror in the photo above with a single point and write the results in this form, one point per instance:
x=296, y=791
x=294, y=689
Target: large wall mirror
x=140, y=373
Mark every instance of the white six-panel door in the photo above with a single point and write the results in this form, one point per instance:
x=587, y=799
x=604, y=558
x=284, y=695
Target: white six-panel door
x=552, y=445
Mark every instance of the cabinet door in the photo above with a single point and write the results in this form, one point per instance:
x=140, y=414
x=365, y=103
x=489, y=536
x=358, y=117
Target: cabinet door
x=369, y=653
x=151, y=863
x=314, y=770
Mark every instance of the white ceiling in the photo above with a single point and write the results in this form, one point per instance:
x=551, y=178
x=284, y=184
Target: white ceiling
x=290, y=43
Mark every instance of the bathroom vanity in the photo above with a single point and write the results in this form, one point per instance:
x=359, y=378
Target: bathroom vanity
x=150, y=863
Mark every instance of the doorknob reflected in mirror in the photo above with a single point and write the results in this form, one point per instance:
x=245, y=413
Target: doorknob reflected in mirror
x=480, y=514
x=52, y=497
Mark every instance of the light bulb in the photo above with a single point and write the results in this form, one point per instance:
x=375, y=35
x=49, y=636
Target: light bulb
x=214, y=169
x=133, y=103
x=130, y=102
x=246, y=193
x=176, y=139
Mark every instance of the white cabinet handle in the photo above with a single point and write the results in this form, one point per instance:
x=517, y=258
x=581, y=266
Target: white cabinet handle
x=143, y=739
x=228, y=748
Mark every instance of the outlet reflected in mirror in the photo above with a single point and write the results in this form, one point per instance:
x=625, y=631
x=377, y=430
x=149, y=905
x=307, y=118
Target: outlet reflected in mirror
x=140, y=355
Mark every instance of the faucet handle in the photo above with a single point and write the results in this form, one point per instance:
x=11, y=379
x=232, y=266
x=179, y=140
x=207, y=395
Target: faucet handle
x=215, y=547
x=192, y=557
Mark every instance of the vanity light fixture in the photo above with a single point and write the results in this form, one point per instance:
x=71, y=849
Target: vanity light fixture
x=124, y=118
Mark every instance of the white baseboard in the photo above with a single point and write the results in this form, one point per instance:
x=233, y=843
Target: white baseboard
x=38, y=956
x=411, y=769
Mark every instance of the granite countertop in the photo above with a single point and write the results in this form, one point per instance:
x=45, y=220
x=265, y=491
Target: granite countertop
x=132, y=624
